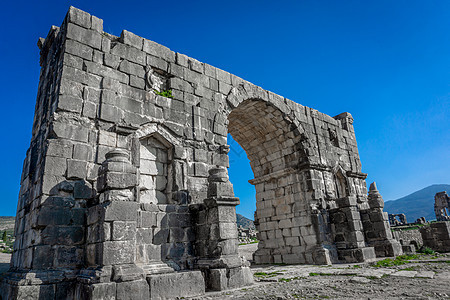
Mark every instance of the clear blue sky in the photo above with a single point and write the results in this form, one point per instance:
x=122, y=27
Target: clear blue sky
x=385, y=62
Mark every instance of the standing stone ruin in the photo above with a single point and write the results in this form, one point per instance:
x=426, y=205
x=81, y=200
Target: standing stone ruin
x=442, y=206
x=397, y=219
x=125, y=192
x=437, y=236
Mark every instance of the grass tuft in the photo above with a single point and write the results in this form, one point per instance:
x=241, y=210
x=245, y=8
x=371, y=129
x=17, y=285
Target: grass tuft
x=166, y=93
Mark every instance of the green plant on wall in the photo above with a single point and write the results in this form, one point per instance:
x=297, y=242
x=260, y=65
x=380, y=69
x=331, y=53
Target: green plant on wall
x=165, y=93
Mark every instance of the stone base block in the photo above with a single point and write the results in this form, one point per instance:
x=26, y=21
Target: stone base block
x=321, y=256
x=365, y=254
x=222, y=279
x=129, y=290
x=180, y=284
x=261, y=259
x=132, y=290
x=37, y=285
x=127, y=273
x=409, y=248
x=96, y=291
x=387, y=248
x=156, y=268
x=9, y=291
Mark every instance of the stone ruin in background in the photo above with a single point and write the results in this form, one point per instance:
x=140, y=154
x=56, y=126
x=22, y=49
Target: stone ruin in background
x=442, y=206
x=397, y=219
x=125, y=192
x=247, y=235
x=434, y=235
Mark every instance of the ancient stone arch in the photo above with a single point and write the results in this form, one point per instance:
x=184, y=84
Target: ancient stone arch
x=125, y=188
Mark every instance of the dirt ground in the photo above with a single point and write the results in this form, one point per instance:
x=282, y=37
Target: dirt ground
x=425, y=277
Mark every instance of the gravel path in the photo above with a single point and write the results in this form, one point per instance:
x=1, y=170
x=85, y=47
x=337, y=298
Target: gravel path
x=428, y=278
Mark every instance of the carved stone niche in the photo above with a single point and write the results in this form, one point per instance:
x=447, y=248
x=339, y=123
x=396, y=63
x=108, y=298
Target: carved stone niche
x=155, y=166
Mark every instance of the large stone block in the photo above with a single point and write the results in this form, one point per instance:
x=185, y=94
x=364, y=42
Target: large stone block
x=363, y=254
x=57, y=235
x=182, y=284
x=123, y=230
x=76, y=169
x=239, y=277
x=70, y=103
x=98, y=69
x=115, y=180
x=216, y=279
x=132, y=39
x=85, y=36
x=117, y=252
x=129, y=53
x=120, y=211
x=43, y=257
x=158, y=50
x=127, y=272
x=79, y=17
x=101, y=291
x=71, y=132
x=79, y=50
x=132, y=68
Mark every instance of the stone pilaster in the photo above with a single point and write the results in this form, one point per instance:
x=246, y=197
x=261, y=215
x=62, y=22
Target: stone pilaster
x=111, y=242
x=376, y=226
x=348, y=232
x=218, y=236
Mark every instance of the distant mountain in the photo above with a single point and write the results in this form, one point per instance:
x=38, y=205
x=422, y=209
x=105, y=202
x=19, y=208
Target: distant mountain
x=245, y=222
x=418, y=204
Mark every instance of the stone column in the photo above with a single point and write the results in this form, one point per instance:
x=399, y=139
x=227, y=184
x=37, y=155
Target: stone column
x=376, y=226
x=217, y=236
x=348, y=234
x=111, y=240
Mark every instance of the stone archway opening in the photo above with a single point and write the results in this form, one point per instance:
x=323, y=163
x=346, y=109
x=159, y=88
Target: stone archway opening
x=239, y=172
x=273, y=147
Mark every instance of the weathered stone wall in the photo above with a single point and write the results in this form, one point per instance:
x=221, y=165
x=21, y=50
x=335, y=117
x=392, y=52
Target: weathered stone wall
x=406, y=237
x=51, y=209
x=437, y=236
x=121, y=183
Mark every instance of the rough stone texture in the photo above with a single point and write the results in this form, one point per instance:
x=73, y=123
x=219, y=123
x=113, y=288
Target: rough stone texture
x=181, y=284
x=376, y=226
x=437, y=236
x=442, y=206
x=120, y=183
x=408, y=237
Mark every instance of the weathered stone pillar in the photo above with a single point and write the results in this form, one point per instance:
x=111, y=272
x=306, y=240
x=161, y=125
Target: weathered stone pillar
x=442, y=206
x=348, y=234
x=218, y=237
x=376, y=226
x=111, y=240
